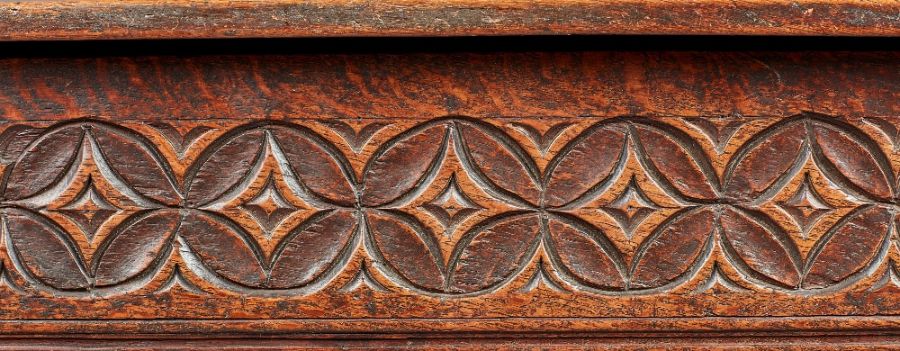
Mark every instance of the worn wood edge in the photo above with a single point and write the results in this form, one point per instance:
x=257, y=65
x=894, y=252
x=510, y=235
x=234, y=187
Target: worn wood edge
x=711, y=333
x=454, y=327
x=142, y=19
x=750, y=343
x=519, y=343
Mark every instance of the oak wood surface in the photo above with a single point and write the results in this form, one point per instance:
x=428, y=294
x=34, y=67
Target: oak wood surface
x=177, y=19
x=425, y=85
x=654, y=199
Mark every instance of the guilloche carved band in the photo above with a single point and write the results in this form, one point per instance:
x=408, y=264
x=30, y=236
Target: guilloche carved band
x=452, y=206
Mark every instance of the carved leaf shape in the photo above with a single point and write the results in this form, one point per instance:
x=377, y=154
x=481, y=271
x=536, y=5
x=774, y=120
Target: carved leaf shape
x=134, y=246
x=586, y=254
x=137, y=163
x=673, y=248
x=224, y=165
x=582, y=164
x=849, y=247
x=223, y=248
x=766, y=251
x=678, y=161
x=14, y=140
x=402, y=164
x=44, y=162
x=45, y=250
x=762, y=161
x=501, y=162
x=312, y=248
x=489, y=254
x=318, y=164
x=859, y=163
x=408, y=248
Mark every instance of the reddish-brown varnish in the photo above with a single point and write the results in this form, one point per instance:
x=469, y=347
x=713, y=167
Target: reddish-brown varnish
x=572, y=199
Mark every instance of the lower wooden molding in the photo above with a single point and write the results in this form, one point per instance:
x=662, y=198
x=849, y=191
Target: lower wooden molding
x=707, y=333
x=486, y=201
x=819, y=342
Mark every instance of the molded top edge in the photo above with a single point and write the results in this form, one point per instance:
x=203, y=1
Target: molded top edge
x=171, y=19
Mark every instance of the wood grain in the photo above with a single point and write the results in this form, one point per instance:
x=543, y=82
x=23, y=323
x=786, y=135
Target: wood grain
x=79, y=19
x=523, y=84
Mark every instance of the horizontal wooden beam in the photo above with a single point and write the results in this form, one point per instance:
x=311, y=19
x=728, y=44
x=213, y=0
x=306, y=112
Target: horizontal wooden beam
x=143, y=19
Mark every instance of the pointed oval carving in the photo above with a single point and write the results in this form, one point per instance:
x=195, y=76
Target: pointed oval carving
x=583, y=164
x=849, y=247
x=858, y=163
x=761, y=162
x=765, y=251
x=319, y=165
x=134, y=246
x=45, y=250
x=138, y=163
x=586, y=254
x=312, y=248
x=678, y=161
x=223, y=248
x=408, y=249
x=489, y=254
x=402, y=164
x=224, y=164
x=673, y=249
x=500, y=162
x=44, y=162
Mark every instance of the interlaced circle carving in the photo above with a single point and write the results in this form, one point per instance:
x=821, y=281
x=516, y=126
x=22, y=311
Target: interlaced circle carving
x=452, y=206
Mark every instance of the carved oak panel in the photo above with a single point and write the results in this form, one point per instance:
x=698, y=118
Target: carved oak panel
x=451, y=207
x=176, y=204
